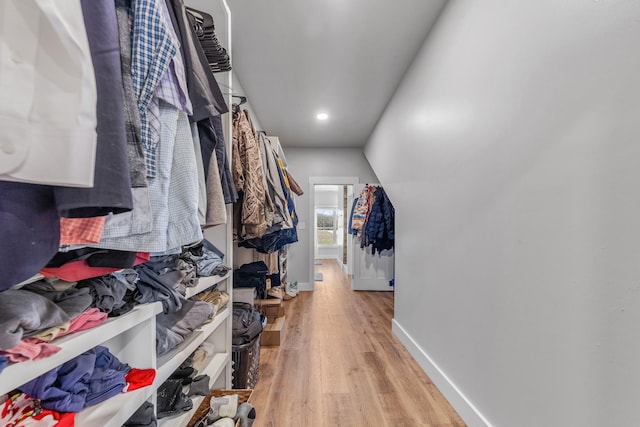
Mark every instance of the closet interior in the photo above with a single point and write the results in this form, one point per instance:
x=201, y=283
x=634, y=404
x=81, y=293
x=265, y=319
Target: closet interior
x=175, y=312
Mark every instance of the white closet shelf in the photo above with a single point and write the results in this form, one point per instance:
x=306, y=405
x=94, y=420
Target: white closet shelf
x=204, y=283
x=73, y=345
x=213, y=368
x=169, y=362
x=114, y=411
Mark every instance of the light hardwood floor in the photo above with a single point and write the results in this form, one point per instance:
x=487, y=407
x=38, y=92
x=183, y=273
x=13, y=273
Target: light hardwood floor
x=340, y=365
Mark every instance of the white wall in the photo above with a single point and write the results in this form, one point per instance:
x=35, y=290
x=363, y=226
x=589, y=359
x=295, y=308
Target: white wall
x=239, y=90
x=511, y=152
x=318, y=162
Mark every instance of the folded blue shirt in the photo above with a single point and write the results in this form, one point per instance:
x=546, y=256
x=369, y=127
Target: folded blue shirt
x=86, y=380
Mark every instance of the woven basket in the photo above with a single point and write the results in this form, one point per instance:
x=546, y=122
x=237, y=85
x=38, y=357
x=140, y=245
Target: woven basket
x=203, y=409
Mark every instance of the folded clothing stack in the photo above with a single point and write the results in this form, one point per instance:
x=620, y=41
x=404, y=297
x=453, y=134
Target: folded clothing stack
x=86, y=380
x=173, y=328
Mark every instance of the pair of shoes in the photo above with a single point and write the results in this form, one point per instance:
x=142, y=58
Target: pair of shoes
x=246, y=414
x=292, y=289
x=220, y=408
x=275, y=292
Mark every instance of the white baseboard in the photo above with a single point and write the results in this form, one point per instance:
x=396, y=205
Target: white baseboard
x=305, y=286
x=469, y=413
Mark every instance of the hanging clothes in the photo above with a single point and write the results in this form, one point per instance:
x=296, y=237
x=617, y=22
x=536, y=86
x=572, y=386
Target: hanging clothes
x=111, y=184
x=153, y=49
x=133, y=125
x=48, y=119
x=360, y=210
x=372, y=219
x=379, y=230
x=248, y=177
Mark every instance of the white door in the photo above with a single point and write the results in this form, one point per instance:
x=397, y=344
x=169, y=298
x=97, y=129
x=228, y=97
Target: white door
x=370, y=272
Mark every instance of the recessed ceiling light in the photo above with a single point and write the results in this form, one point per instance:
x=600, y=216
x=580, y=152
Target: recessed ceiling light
x=322, y=116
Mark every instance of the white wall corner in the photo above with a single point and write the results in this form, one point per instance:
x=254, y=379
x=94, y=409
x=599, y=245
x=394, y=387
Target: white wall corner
x=469, y=413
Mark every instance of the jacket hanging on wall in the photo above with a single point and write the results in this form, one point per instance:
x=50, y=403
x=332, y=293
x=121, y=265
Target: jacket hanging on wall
x=373, y=219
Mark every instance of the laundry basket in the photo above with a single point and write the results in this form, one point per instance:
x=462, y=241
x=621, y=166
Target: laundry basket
x=246, y=363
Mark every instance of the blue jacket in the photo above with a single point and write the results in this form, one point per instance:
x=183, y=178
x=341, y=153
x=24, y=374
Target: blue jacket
x=379, y=230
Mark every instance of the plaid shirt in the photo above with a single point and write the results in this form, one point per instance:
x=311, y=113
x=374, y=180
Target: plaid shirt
x=153, y=50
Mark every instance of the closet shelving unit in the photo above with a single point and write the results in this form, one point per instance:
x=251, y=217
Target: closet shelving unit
x=132, y=336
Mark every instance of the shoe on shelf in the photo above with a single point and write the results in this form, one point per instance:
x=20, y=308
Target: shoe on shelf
x=229, y=409
x=275, y=292
x=214, y=411
x=224, y=422
x=246, y=414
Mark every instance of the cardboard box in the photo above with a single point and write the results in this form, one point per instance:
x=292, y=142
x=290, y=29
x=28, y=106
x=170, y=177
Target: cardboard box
x=247, y=295
x=273, y=333
x=271, y=307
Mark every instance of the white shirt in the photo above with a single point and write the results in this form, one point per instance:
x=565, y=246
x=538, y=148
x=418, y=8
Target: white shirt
x=47, y=94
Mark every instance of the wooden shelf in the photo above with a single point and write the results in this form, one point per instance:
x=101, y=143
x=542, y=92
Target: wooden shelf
x=73, y=345
x=169, y=362
x=206, y=282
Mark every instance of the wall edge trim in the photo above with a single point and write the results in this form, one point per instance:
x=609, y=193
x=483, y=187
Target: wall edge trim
x=463, y=406
x=303, y=286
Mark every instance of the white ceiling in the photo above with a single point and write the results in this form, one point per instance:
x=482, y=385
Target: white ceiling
x=295, y=58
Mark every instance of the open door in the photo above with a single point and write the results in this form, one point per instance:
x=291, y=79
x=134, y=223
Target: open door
x=370, y=272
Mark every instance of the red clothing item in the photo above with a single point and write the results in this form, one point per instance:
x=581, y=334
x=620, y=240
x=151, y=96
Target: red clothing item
x=80, y=270
x=138, y=378
x=20, y=410
x=78, y=231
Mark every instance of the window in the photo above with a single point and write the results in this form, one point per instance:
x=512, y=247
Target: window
x=328, y=226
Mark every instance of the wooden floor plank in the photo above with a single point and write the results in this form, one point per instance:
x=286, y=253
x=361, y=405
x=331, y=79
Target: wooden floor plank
x=340, y=364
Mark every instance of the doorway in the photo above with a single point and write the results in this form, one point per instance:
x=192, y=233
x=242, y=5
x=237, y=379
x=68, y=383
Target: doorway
x=330, y=205
x=331, y=216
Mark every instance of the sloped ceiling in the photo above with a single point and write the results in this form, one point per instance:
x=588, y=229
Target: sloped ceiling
x=296, y=58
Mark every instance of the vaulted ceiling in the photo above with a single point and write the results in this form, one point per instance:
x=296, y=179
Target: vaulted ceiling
x=297, y=58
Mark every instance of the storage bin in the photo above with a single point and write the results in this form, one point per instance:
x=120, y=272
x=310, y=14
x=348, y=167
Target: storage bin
x=203, y=409
x=246, y=363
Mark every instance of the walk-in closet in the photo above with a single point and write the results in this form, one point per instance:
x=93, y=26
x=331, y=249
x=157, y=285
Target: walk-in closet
x=288, y=213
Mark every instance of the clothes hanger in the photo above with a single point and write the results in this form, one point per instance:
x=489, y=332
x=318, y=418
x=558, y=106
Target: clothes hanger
x=243, y=99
